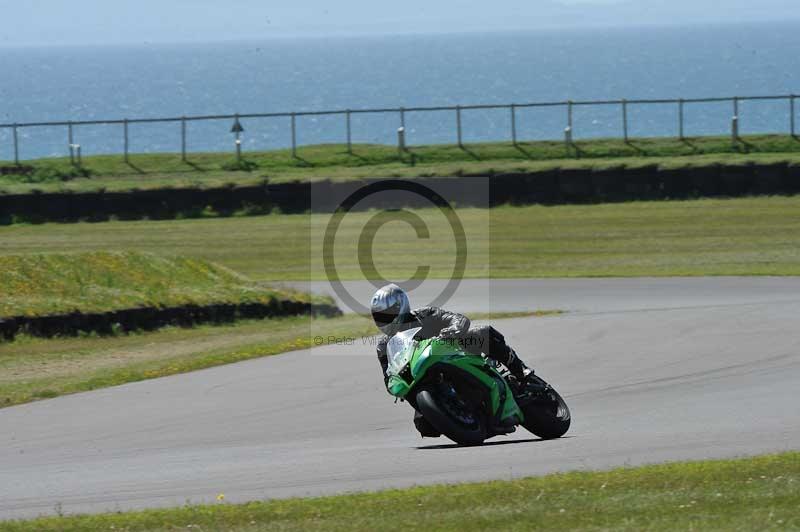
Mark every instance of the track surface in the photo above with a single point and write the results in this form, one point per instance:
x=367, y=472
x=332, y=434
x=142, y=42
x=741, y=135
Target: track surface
x=653, y=370
x=585, y=295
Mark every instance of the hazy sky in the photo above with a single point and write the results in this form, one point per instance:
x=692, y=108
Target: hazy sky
x=126, y=21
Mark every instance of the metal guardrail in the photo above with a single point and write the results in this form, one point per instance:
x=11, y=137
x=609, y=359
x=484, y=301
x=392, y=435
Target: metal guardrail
x=569, y=132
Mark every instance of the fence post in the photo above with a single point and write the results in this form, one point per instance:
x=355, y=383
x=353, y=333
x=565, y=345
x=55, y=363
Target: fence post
x=16, y=146
x=625, y=119
x=349, y=134
x=294, y=135
x=735, y=121
x=568, y=138
x=569, y=114
x=183, y=138
x=402, y=117
x=458, y=125
x=681, y=136
x=237, y=137
x=514, y=123
x=71, y=144
x=792, y=119
x=401, y=140
x=126, y=142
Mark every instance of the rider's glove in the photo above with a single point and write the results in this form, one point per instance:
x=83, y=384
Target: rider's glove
x=449, y=332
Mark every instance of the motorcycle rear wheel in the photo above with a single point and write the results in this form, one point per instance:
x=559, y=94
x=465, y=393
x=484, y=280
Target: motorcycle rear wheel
x=462, y=423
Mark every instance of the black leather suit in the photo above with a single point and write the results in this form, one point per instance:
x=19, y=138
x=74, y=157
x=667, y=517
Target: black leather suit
x=451, y=325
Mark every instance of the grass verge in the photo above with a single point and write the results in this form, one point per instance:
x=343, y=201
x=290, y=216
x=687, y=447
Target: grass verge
x=51, y=284
x=143, y=171
x=758, y=493
x=35, y=368
x=748, y=236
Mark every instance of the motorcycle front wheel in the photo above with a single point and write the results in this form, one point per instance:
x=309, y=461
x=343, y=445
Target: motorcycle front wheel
x=546, y=413
x=452, y=416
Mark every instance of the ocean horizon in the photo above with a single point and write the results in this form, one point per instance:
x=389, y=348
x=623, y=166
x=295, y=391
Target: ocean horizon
x=45, y=84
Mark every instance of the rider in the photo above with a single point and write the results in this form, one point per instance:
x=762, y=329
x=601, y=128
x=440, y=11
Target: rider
x=392, y=313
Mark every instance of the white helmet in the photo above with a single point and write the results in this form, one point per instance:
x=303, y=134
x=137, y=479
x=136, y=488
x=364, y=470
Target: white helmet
x=390, y=308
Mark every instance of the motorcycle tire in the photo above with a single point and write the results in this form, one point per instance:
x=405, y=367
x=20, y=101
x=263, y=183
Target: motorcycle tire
x=438, y=415
x=547, y=416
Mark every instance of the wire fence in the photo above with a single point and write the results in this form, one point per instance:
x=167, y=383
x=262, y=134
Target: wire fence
x=403, y=116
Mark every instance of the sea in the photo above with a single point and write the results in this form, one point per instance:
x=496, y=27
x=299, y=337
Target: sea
x=41, y=84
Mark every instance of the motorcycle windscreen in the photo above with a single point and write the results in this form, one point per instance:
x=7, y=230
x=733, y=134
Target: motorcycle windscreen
x=400, y=349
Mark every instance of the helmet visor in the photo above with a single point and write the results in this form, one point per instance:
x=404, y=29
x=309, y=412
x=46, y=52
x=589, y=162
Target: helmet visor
x=387, y=316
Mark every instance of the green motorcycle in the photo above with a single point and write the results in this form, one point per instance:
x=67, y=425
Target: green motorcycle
x=467, y=397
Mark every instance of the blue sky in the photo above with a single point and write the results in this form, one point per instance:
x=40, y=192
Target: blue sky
x=24, y=22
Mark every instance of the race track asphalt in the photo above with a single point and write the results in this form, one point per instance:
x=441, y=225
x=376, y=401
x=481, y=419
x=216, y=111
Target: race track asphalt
x=653, y=370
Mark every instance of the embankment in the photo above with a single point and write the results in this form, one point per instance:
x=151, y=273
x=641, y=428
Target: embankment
x=547, y=187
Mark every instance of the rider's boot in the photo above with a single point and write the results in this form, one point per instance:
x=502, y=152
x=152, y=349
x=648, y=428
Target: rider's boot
x=517, y=367
x=505, y=428
x=426, y=430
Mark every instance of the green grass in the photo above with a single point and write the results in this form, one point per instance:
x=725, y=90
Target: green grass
x=758, y=493
x=110, y=172
x=35, y=368
x=51, y=283
x=749, y=236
